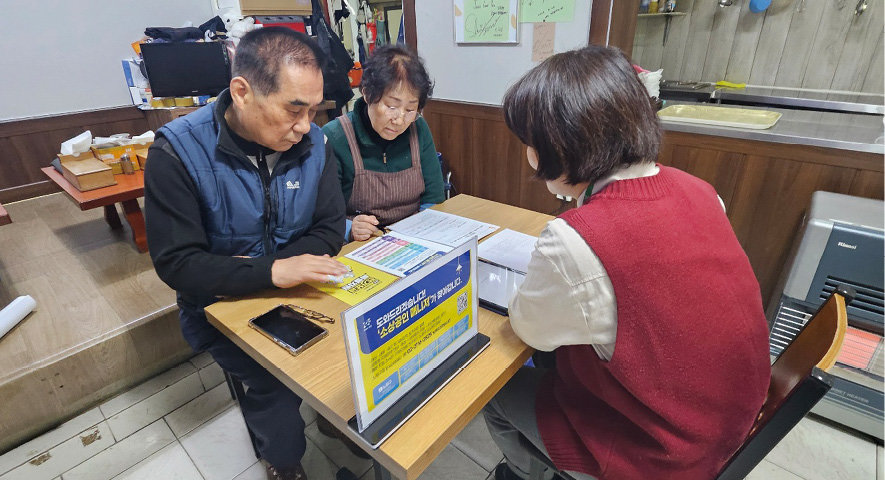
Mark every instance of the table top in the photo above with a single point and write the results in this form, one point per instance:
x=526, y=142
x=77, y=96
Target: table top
x=320, y=374
x=128, y=187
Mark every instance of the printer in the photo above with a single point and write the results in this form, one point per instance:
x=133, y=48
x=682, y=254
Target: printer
x=841, y=243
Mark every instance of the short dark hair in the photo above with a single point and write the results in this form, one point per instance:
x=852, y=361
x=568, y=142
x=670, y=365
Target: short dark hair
x=585, y=113
x=390, y=65
x=262, y=52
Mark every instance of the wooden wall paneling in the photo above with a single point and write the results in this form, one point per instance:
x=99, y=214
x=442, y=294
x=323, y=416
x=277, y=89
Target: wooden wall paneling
x=451, y=135
x=873, y=82
x=798, y=153
x=27, y=145
x=744, y=46
x=10, y=173
x=533, y=193
x=721, y=42
x=409, y=23
x=700, y=28
x=800, y=38
x=40, y=124
x=613, y=22
x=773, y=38
x=867, y=184
x=640, y=41
x=718, y=168
x=654, y=48
x=857, y=51
x=822, y=46
x=768, y=206
x=829, y=41
x=486, y=159
x=674, y=50
x=496, y=153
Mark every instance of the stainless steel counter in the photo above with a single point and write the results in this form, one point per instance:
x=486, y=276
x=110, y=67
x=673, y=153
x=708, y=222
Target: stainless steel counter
x=843, y=131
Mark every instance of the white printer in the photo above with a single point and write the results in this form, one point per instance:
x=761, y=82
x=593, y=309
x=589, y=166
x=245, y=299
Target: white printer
x=841, y=244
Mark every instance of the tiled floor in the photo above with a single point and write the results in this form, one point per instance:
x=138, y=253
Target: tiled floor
x=183, y=425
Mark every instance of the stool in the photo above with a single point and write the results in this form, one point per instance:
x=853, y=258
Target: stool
x=237, y=391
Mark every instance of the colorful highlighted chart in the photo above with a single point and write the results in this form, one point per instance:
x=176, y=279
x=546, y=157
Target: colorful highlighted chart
x=398, y=254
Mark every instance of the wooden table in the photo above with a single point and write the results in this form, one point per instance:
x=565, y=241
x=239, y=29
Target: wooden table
x=127, y=191
x=320, y=374
x=4, y=216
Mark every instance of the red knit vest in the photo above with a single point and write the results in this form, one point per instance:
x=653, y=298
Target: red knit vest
x=690, y=368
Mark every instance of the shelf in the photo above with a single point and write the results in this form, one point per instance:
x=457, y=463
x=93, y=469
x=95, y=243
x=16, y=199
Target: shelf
x=668, y=14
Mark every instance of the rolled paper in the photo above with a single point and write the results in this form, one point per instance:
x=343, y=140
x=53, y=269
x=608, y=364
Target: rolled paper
x=16, y=312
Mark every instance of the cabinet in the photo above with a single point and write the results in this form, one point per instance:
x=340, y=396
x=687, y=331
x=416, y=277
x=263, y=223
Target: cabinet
x=766, y=188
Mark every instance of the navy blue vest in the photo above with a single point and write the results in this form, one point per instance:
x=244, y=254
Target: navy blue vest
x=232, y=201
x=231, y=195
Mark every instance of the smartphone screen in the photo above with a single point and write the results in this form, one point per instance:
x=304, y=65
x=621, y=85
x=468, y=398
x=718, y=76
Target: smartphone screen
x=288, y=328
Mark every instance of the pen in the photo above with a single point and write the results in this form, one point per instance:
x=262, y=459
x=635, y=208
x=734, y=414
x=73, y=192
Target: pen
x=483, y=260
x=381, y=229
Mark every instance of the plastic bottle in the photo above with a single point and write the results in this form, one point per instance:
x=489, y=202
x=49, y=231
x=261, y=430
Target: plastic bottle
x=643, y=6
x=653, y=6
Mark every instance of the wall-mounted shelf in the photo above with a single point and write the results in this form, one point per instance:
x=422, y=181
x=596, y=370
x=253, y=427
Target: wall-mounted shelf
x=663, y=14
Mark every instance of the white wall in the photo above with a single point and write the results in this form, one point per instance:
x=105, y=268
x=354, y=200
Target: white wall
x=482, y=73
x=60, y=56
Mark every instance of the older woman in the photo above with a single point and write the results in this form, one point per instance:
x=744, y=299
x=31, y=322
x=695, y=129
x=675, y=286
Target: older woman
x=642, y=292
x=387, y=161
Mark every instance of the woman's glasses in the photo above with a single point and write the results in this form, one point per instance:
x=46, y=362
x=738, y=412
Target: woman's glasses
x=394, y=113
x=311, y=314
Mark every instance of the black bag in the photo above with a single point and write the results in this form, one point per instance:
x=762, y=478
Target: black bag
x=336, y=83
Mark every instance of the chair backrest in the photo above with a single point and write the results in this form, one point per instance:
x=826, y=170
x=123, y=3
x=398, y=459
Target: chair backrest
x=798, y=381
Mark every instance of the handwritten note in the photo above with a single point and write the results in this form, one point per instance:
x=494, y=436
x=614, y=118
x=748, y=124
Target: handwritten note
x=543, y=36
x=486, y=20
x=531, y=11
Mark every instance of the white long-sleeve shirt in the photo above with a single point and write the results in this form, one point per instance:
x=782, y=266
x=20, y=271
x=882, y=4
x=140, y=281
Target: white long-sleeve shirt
x=567, y=297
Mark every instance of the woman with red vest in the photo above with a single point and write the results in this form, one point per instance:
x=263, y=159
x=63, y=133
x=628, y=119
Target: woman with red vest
x=643, y=292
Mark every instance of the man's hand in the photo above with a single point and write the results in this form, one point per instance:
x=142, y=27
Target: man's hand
x=288, y=272
x=363, y=227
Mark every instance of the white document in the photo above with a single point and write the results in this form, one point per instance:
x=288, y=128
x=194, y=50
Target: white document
x=398, y=254
x=510, y=249
x=445, y=228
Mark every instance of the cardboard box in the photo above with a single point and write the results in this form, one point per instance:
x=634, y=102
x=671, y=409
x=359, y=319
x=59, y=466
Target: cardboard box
x=141, y=154
x=87, y=174
x=110, y=155
x=275, y=7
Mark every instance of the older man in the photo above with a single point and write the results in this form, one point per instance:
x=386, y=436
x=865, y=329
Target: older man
x=241, y=196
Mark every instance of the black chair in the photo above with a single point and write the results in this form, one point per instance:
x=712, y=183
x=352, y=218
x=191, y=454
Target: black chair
x=798, y=381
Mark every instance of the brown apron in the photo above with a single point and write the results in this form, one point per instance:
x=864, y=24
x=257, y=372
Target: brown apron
x=390, y=196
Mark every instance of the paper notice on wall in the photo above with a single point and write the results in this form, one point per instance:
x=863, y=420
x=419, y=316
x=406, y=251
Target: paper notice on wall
x=543, y=35
x=531, y=11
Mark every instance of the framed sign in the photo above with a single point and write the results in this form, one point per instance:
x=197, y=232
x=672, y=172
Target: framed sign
x=400, y=336
x=486, y=21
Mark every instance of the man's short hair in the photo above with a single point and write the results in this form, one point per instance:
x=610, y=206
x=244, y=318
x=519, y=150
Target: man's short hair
x=391, y=65
x=585, y=113
x=262, y=52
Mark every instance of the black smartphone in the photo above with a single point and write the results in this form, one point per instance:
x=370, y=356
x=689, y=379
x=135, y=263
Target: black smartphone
x=288, y=329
